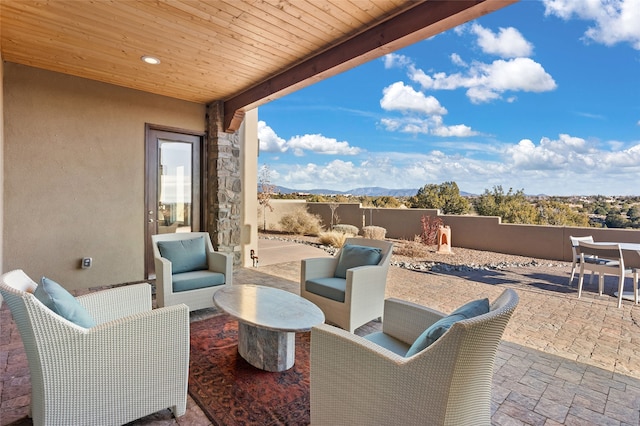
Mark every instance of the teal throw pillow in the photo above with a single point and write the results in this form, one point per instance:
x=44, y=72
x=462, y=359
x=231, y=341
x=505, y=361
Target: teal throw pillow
x=437, y=329
x=60, y=301
x=185, y=255
x=352, y=256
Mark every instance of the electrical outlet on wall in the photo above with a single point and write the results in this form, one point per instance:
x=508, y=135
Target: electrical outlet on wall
x=86, y=262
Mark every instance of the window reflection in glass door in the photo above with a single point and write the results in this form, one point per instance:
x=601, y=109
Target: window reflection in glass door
x=175, y=181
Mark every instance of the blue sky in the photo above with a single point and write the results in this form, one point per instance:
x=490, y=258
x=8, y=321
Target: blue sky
x=541, y=95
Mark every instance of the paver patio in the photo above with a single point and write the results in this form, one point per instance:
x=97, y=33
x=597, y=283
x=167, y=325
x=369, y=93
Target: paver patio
x=563, y=360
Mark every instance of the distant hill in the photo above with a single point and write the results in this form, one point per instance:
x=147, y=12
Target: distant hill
x=370, y=191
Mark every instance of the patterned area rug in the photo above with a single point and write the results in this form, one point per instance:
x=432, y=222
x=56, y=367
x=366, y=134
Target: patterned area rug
x=232, y=392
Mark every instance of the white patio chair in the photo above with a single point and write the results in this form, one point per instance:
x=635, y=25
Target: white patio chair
x=189, y=270
x=606, y=259
x=355, y=381
x=132, y=363
x=576, y=256
x=352, y=297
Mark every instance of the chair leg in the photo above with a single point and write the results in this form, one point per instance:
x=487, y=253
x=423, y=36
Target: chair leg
x=580, y=280
x=600, y=284
x=573, y=273
x=620, y=290
x=635, y=286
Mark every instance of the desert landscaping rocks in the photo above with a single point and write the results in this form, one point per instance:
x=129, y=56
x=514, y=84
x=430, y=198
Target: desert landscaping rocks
x=461, y=260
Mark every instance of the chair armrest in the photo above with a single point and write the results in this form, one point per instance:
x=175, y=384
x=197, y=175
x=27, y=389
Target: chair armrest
x=405, y=320
x=119, y=302
x=318, y=267
x=223, y=263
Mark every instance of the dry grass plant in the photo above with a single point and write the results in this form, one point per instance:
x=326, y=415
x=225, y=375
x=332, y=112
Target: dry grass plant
x=300, y=221
x=332, y=238
x=415, y=249
x=374, y=232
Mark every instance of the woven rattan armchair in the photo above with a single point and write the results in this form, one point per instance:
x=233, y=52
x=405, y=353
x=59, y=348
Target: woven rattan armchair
x=134, y=362
x=355, y=381
x=363, y=288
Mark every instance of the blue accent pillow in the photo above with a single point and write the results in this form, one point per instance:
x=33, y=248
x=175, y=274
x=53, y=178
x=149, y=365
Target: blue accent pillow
x=185, y=255
x=437, y=329
x=352, y=256
x=60, y=301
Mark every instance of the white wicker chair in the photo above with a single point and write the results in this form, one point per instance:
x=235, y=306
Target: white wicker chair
x=134, y=362
x=218, y=263
x=357, y=382
x=364, y=286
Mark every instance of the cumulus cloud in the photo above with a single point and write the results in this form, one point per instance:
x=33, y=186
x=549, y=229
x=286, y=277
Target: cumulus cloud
x=269, y=140
x=486, y=82
x=400, y=97
x=320, y=145
x=506, y=43
x=615, y=21
x=542, y=167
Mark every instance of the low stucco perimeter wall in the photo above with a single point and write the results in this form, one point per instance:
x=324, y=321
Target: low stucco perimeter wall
x=474, y=232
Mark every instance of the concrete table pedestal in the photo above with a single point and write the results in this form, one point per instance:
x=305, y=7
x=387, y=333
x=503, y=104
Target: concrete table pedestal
x=266, y=349
x=268, y=319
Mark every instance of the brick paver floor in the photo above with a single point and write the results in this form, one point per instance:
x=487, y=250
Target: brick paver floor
x=563, y=360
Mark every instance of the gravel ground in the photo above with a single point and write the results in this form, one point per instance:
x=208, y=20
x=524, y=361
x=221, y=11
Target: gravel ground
x=411, y=255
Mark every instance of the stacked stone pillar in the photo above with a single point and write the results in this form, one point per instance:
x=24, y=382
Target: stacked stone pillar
x=223, y=184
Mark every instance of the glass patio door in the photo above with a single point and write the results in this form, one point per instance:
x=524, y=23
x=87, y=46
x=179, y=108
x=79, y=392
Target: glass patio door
x=173, y=180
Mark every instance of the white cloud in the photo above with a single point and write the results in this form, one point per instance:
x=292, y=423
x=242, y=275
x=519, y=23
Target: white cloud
x=269, y=140
x=320, y=145
x=615, y=21
x=486, y=82
x=457, y=60
x=400, y=97
x=561, y=166
x=394, y=60
x=507, y=43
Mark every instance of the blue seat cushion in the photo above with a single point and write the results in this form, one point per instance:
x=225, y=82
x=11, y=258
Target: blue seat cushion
x=437, y=329
x=60, y=301
x=196, y=279
x=352, y=256
x=184, y=255
x=394, y=345
x=331, y=288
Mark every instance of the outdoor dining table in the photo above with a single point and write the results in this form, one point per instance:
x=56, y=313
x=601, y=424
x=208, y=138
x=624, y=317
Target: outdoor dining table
x=631, y=252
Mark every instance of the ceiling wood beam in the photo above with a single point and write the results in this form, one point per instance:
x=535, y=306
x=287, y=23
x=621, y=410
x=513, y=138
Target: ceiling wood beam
x=424, y=20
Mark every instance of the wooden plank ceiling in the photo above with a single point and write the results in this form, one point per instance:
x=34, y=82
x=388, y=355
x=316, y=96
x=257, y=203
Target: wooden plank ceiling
x=242, y=52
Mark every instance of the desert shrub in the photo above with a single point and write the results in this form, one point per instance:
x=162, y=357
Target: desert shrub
x=374, y=232
x=332, y=238
x=346, y=229
x=430, y=226
x=413, y=248
x=301, y=222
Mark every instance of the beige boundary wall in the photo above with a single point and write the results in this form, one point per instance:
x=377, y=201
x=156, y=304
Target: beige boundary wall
x=474, y=232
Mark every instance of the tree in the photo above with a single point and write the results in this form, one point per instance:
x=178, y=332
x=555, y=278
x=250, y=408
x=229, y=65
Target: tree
x=559, y=213
x=265, y=191
x=445, y=197
x=512, y=207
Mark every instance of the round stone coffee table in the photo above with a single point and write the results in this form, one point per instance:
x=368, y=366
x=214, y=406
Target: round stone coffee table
x=268, y=319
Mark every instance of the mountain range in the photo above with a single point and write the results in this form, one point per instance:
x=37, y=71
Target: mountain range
x=374, y=191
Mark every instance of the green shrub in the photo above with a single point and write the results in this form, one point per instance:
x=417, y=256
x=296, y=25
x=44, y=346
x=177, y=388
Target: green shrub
x=300, y=222
x=332, y=238
x=374, y=232
x=346, y=229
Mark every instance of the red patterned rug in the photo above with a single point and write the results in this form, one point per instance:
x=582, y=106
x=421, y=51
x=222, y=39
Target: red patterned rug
x=232, y=392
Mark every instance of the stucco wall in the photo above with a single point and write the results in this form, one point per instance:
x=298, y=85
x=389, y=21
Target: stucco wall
x=475, y=232
x=74, y=174
x=249, y=166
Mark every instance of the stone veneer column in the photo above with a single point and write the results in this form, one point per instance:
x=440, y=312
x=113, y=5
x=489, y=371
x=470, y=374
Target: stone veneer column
x=223, y=183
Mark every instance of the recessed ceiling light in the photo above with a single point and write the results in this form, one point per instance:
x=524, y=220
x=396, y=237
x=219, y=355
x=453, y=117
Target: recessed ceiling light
x=150, y=60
